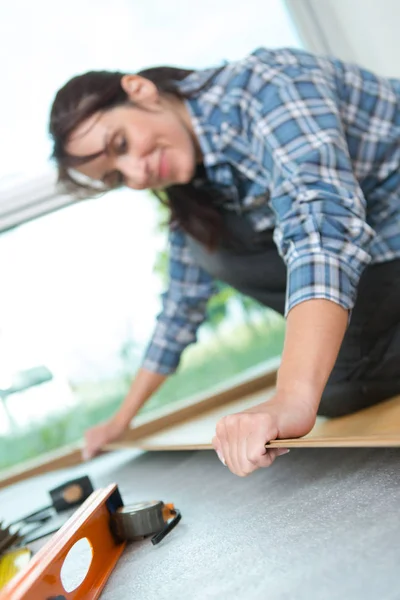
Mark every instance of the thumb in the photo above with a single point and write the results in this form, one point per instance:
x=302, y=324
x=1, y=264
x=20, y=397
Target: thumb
x=268, y=458
x=85, y=454
x=88, y=452
x=282, y=451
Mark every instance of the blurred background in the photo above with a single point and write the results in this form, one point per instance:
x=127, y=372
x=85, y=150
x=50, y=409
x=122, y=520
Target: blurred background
x=80, y=282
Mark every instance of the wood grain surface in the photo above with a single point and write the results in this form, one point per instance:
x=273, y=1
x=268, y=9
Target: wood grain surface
x=378, y=426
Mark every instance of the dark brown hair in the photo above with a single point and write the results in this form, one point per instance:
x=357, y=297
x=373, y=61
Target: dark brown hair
x=193, y=208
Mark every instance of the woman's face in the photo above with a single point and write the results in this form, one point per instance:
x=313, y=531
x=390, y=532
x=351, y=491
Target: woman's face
x=147, y=144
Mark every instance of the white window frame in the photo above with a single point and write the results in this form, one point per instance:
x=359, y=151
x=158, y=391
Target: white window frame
x=26, y=198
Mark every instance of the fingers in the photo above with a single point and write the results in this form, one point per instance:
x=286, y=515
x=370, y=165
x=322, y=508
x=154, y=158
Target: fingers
x=88, y=450
x=271, y=455
x=94, y=440
x=240, y=442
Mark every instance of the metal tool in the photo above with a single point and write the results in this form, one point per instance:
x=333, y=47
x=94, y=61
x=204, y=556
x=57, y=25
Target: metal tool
x=107, y=524
x=137, y=521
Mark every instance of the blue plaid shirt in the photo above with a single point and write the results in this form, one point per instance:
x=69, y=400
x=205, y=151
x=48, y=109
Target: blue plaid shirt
x=307, y=146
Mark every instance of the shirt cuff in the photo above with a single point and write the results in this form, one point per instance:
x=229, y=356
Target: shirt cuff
x=322, y=276
x=161, y=360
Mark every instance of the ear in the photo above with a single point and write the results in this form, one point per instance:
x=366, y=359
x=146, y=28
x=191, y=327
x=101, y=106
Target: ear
x=139, y=89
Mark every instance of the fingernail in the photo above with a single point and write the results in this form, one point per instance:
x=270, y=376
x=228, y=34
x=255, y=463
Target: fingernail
x=221, y=458
x=283, y=451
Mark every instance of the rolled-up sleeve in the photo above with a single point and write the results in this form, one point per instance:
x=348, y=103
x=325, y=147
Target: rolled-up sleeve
x=321, y=230
x=183, y=308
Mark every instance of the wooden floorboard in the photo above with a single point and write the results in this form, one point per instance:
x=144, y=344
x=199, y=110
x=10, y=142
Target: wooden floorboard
x=377, y=426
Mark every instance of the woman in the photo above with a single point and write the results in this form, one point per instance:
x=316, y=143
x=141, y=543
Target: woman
x=281, y=172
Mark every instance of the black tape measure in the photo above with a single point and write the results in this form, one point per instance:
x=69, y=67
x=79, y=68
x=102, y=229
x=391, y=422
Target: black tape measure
x=137, y=521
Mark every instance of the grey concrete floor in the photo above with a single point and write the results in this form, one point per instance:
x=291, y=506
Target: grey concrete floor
x=318, y=524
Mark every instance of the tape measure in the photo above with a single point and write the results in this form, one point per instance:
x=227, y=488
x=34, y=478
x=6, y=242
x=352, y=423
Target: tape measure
x=137, y=521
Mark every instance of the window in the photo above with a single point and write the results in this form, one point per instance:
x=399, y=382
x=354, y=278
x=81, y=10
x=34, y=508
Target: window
x=80, y=291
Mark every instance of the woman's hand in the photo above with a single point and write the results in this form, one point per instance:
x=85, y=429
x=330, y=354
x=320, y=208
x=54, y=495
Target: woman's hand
x=240, y=438
x=314, y=332
x=142, y=388
x=99, y=436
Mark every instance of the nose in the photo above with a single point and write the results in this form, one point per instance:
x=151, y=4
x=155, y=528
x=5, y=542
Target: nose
x=134, y=171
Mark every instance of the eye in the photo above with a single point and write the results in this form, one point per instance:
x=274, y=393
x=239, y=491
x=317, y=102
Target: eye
x=120, y=144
